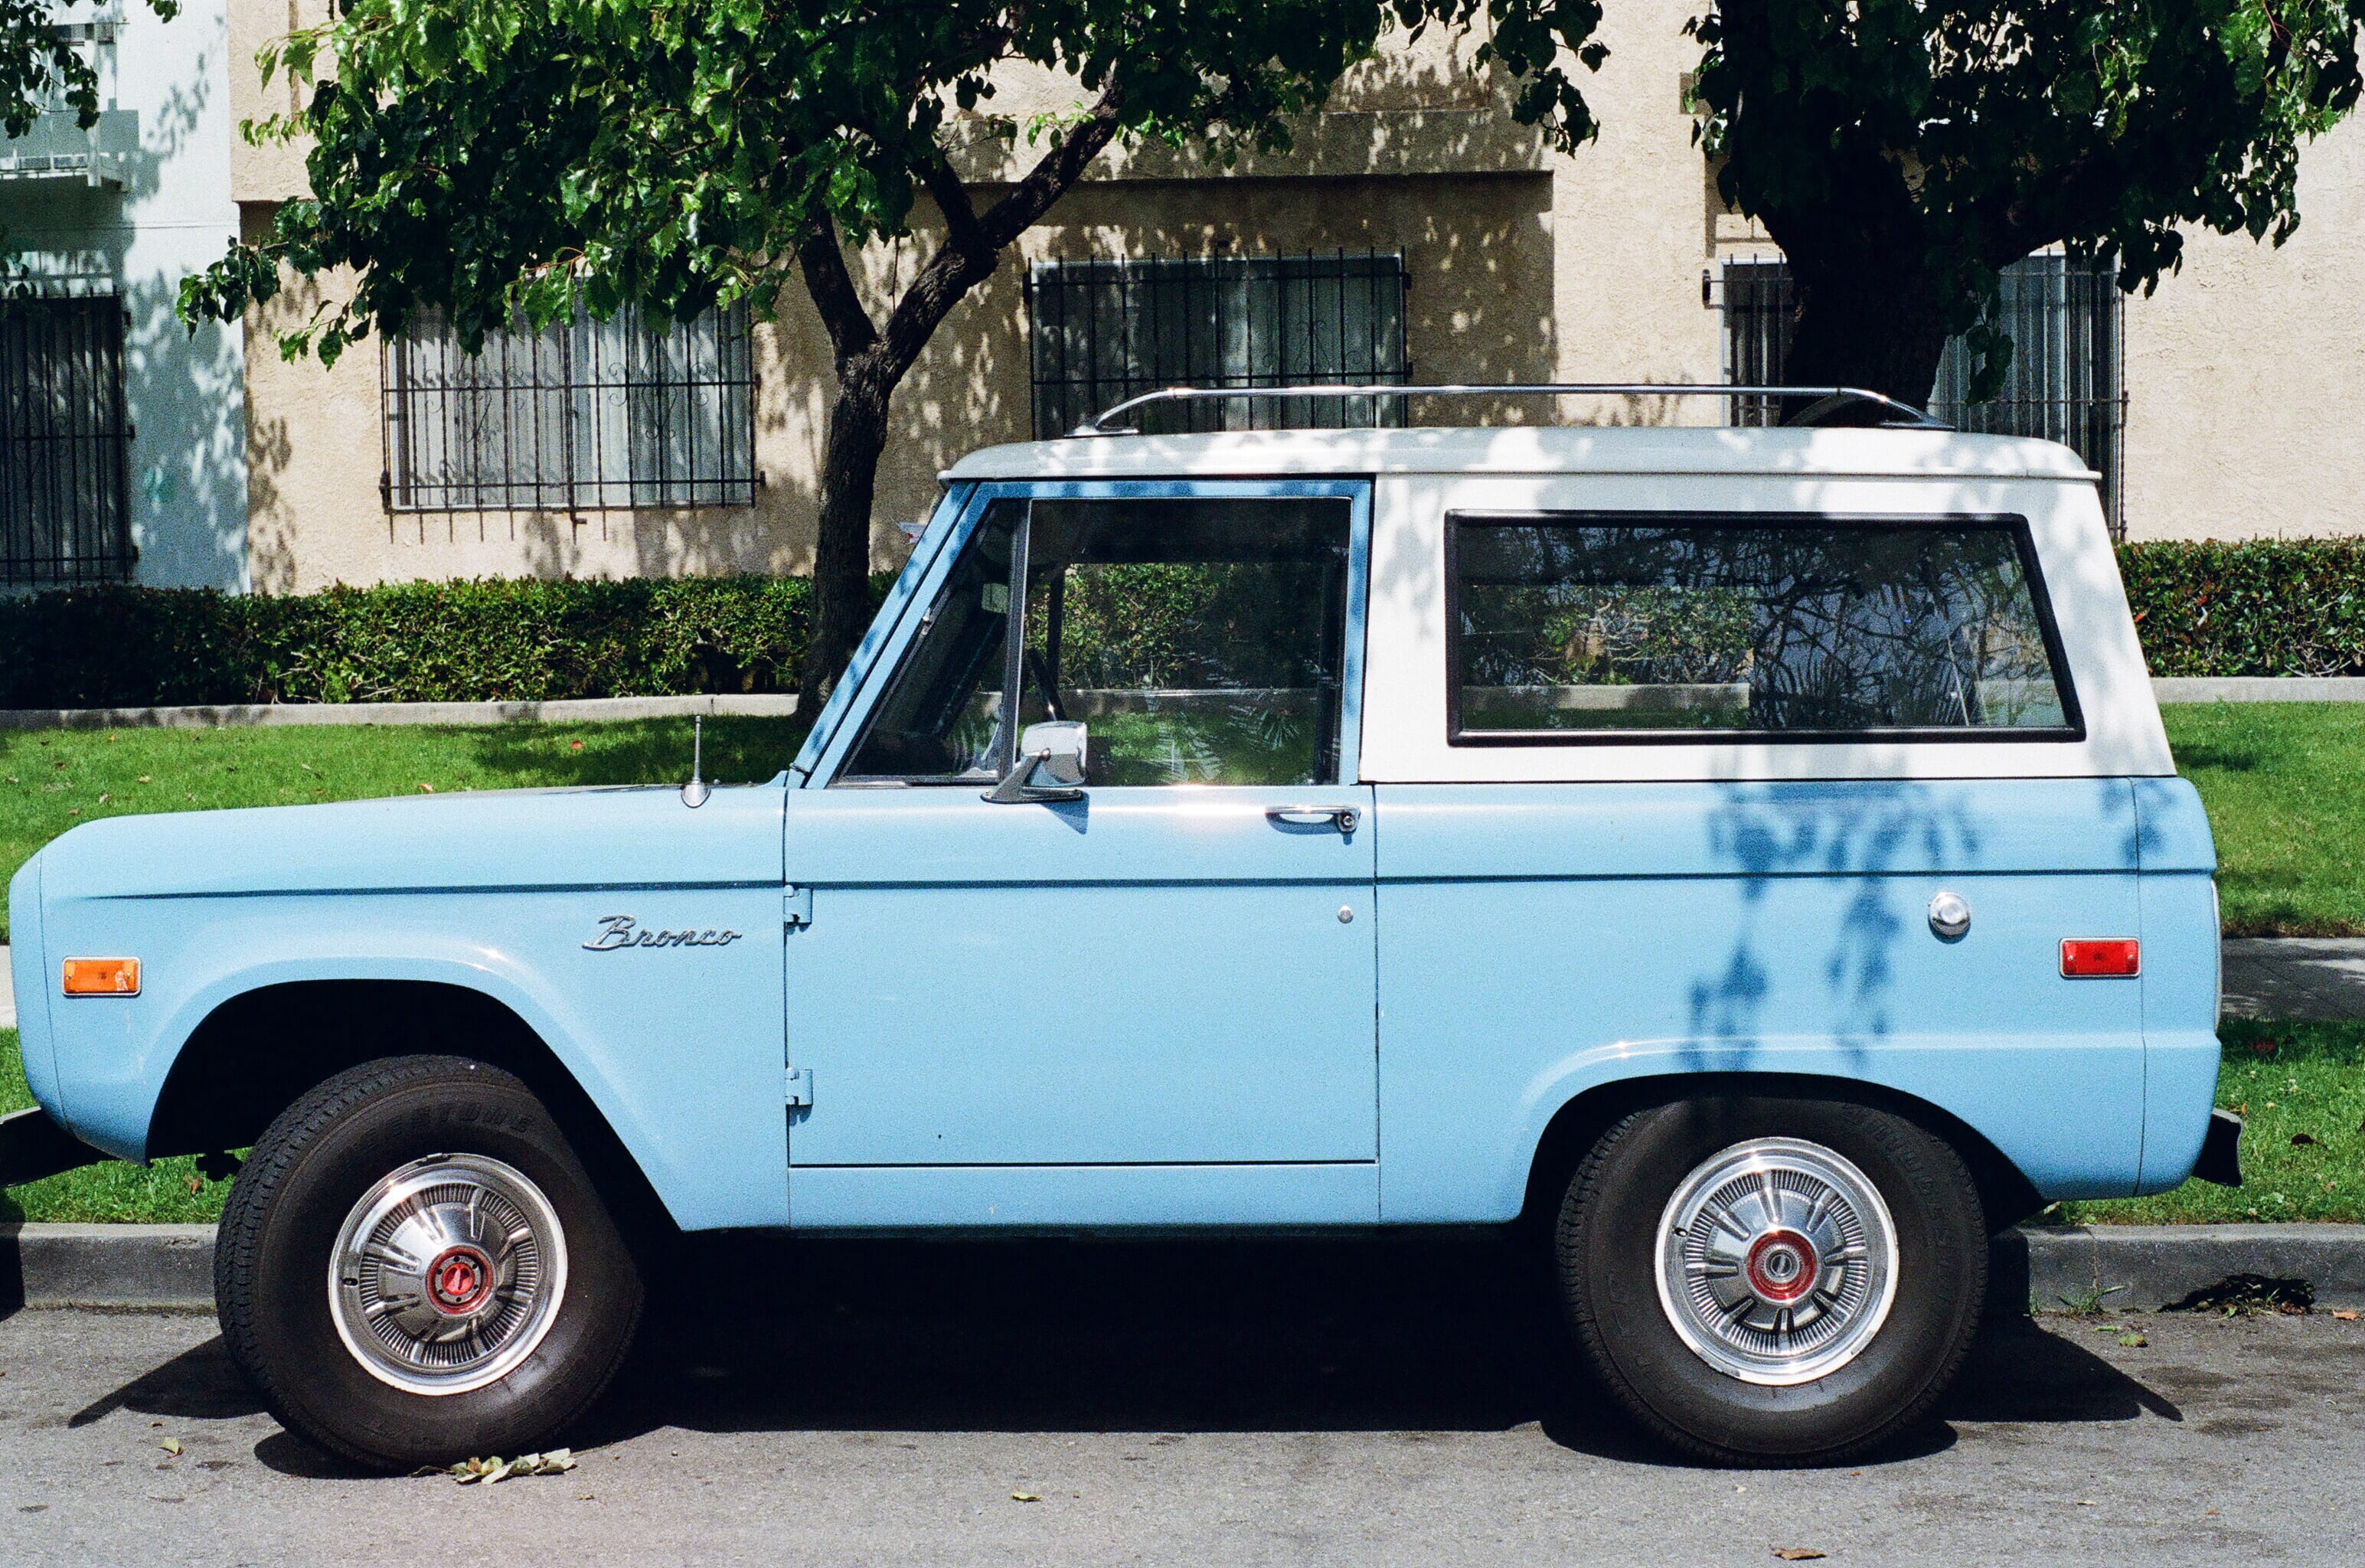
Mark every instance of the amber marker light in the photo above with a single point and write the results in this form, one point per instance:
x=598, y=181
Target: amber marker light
x=2097, y=958
x=101, y=977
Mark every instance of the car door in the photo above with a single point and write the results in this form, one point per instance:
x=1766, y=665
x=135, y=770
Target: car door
x=1148, y=1003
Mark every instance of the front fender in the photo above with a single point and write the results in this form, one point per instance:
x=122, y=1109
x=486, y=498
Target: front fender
x=678, y=1046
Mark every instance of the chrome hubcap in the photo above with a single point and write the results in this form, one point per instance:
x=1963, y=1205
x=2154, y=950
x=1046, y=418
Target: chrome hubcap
x=1777, y=1262
x=447, y=1275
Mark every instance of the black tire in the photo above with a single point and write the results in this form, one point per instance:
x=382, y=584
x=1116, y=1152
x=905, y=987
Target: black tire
x=1607, y=1248
x=279, y=1230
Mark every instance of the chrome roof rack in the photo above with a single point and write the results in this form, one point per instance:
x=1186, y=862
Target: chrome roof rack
x=1828, y=400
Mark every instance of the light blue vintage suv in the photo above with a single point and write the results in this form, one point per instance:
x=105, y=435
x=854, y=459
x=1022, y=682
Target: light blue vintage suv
x=1750, y=856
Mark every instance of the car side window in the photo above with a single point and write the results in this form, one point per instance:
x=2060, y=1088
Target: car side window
x=1199, y=639
x=1576, y=627
x=940, y=721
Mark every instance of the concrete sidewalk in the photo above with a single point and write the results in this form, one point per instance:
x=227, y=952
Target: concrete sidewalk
x=2295, y=979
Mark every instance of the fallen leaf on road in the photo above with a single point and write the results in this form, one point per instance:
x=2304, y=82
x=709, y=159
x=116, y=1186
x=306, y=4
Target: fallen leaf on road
x=170, y=1445
x=486, y=1472
x=1796, y=1553
x=1025, y=1497
x=2133, y=1341
x=2340, y=1315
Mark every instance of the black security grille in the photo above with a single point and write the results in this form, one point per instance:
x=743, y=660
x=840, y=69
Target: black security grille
x=582, y=416
x=64, y=435
x=1106, y=330
x=2065, y=383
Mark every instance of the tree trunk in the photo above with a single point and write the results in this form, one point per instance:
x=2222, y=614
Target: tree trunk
x=1866, y=320
x=850, y=474
x=1873, y=306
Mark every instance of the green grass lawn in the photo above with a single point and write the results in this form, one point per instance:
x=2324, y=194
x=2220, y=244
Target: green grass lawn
x=51, y=779
x=2284, y=783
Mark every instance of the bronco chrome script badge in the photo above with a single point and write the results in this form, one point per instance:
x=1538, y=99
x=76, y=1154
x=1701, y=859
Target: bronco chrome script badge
x=619, y=930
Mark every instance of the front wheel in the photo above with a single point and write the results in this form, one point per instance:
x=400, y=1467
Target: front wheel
x=414, y=1268
x=1772, y=1281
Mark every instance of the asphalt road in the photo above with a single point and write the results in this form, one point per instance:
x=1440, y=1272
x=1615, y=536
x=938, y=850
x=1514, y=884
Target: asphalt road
x=1202, y=1403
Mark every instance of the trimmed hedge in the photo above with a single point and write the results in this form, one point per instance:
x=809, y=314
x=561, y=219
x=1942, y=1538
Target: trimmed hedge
x=2260, y=607
x=493, y=639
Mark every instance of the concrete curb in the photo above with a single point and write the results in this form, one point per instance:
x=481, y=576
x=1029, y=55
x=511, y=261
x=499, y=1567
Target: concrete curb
x=156, y=1268
x=2259, y=687
x=2145, y=1267
x=578, y=710
x=2141, y=1267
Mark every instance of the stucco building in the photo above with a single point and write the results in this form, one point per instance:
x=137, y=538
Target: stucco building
x=123, y=437
x=1415, y=233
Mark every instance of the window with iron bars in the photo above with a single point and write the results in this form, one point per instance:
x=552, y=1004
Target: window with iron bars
x=64, y=443
x=1107, y=330
x=582, y=416
x=2065, y=320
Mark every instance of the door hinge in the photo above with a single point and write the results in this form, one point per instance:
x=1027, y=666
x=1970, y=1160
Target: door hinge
x=796, y=908
x=799, y=1087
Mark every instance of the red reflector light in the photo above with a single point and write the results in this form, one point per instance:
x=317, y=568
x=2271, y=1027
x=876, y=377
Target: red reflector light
x=2100, y=958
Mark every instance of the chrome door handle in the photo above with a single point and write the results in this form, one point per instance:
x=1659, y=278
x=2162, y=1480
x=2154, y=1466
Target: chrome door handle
x=1343, y=818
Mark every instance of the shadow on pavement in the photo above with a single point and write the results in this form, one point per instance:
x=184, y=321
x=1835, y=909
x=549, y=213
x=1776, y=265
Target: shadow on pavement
x=199, y=1384
x=751, y=1334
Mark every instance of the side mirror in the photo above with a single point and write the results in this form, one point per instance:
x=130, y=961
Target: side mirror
x=1050, y=764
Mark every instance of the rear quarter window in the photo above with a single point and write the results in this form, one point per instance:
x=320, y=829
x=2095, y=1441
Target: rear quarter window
x=1568, y=628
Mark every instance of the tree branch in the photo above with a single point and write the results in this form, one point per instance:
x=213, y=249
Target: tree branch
x=851, y=332
x=974, y=243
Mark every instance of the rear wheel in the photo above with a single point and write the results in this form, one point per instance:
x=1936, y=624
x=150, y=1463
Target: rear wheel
x=1772, y=1281
x=414, y=1268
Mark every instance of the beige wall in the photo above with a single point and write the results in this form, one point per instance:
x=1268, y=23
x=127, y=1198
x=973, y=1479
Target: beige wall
x=2246, y=374
x=1524, y=265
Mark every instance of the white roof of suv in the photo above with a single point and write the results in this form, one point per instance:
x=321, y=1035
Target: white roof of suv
x=1531, y=449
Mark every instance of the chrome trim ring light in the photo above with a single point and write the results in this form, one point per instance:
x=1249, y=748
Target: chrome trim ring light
x=447, y=1275
x=1777, y=1262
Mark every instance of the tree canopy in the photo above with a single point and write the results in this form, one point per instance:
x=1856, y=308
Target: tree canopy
x=1902, y=152
x=489, y=159
x=38, y=68
x=489, y=156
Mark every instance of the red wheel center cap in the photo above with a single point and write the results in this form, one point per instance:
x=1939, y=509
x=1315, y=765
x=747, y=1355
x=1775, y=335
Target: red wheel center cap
x=1782, y=1266
x=459, y=1280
